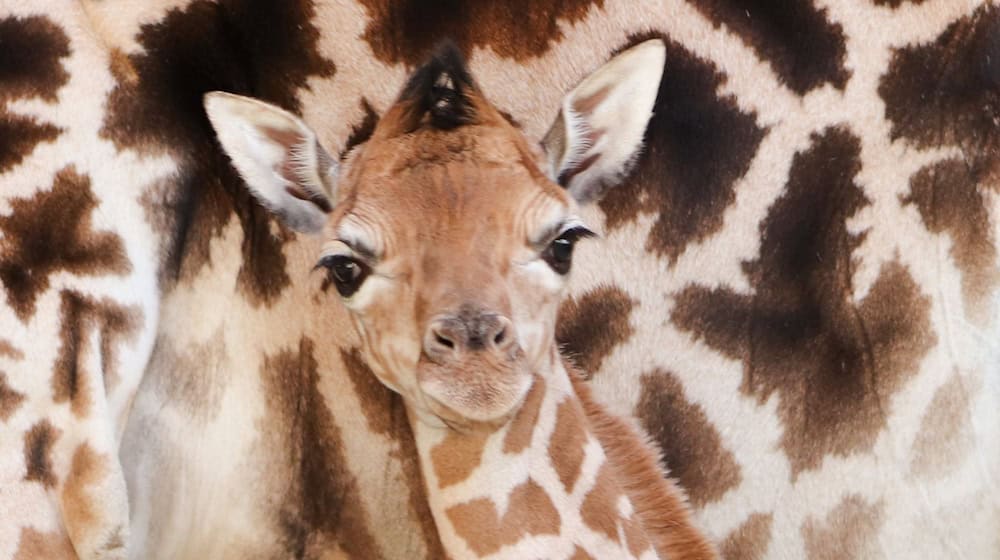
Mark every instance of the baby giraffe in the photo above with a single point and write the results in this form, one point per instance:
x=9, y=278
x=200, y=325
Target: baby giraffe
x=449, y=237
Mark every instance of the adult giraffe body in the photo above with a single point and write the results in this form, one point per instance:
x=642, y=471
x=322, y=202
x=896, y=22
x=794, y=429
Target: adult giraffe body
x=799, y=277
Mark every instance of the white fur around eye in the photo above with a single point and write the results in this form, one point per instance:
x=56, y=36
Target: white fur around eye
x=372, y=289
x=542, y=275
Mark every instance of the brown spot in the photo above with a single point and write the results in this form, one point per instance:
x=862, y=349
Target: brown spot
x=81, y=507
x=849, y=531
x=529, y=512
x=361, y=132
x=386, y=415
x=38, y=442
x=691, y=446
x=635, y=537
x=945, y=435
x=30, y=66
x=522, y=427
x=166, y=210
x=589, y=327
x=457, y=456
x=833, y=363
x=18, y=137
x=600, y=506
x=580, y=554
x=794, y=37
x=406, y=31
x=323, y=501
x=947, y=92
x=80, y=316
x=35, y=545
x=896, y=3
x=122, y=68
x=566, y=448
x=7, y=349
x=10, y=400
x=947, y=196
x=378, y=402
x=697, y=146
x=53, y=231
x=30, y=63
x=193, y=378
x=261, y=49
x=114, y=541
x=750, y=540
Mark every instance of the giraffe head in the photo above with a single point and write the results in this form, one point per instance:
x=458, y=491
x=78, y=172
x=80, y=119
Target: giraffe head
x=449, y=234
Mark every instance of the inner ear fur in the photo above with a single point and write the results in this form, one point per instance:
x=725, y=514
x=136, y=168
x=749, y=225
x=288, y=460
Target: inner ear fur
x=278, y=156
x=599, y=130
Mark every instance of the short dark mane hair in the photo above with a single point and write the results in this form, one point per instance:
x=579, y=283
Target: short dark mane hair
x=439, y=90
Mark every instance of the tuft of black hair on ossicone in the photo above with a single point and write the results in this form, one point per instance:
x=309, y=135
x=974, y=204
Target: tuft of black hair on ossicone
x=439, y=89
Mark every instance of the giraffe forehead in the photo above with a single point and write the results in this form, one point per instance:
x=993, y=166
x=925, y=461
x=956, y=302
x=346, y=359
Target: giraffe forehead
x=453, y=202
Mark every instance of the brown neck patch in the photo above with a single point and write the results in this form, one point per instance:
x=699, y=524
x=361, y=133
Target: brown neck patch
x=522, y=427
x=530, y=512
x=566, y=447
x=455, y=458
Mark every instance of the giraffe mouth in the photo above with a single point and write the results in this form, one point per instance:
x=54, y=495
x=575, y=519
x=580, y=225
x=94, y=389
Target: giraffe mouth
x=475, y=389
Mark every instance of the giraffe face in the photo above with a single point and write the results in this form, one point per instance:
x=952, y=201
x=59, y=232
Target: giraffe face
x=451, y=249
x=449, y=235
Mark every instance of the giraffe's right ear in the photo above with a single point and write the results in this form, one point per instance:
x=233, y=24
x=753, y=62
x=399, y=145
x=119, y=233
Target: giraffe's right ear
x=278, y=156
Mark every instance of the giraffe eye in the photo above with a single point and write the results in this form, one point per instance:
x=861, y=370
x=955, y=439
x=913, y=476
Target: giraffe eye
x=345, y=272
x=559, y=253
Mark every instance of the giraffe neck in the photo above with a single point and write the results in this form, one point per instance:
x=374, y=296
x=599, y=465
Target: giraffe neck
x=546, y=483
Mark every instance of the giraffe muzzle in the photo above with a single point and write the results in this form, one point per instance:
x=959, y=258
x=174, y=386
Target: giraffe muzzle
x=473, y=367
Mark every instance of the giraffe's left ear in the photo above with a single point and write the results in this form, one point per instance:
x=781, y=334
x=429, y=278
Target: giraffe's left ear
x=599, y=130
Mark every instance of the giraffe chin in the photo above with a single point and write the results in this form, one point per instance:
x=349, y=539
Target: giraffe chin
x=474, y=391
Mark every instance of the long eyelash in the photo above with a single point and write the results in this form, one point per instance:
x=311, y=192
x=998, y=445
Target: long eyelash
x=577, y=232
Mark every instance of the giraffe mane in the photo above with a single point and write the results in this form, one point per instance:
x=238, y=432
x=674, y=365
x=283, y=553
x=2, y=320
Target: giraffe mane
x=660, y=503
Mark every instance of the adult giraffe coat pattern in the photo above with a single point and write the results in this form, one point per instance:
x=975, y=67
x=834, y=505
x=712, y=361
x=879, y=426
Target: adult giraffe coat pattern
x=795, y=291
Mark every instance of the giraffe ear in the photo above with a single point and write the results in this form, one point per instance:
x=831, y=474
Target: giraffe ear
x=278, y=156
x=599, y=130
